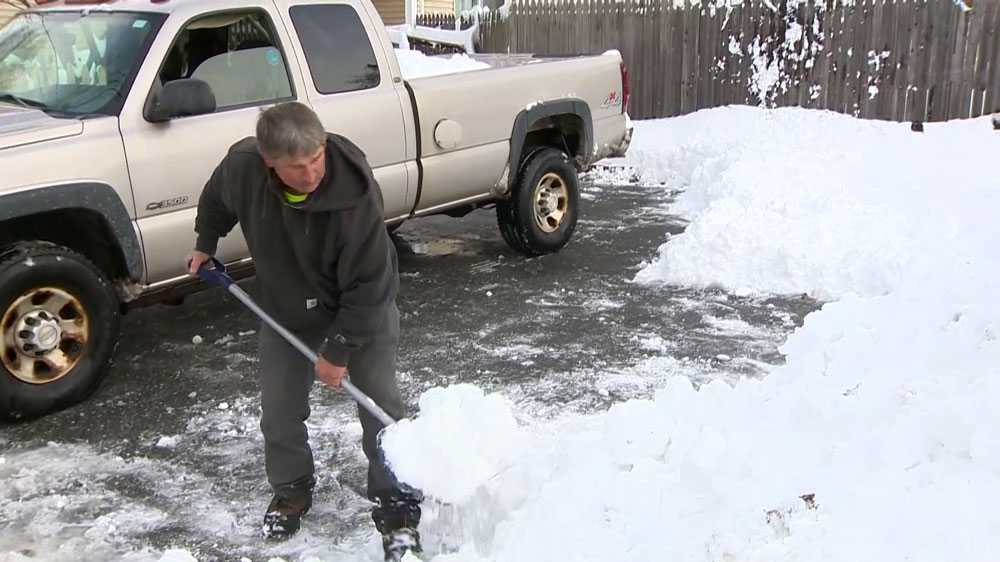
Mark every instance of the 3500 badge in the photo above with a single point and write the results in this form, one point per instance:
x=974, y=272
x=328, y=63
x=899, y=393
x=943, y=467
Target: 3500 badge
x=167, y=203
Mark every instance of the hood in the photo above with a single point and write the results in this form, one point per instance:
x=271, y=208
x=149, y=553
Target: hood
x=22, y=125
x=347, y=180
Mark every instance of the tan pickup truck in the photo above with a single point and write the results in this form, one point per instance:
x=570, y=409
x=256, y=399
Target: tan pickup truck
x=114, y=114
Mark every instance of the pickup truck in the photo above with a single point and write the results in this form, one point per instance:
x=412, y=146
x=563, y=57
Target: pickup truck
x=113, y=116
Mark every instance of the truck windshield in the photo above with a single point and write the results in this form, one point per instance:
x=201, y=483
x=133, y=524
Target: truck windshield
x=73, y=63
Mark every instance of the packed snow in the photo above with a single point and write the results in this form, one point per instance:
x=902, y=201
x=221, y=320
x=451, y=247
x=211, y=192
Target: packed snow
x=414, y=64
x=459, y=464
x=875, y=441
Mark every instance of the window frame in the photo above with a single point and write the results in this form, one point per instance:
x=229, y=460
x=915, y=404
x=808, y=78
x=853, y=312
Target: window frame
x=370, y=42
x=279, y=45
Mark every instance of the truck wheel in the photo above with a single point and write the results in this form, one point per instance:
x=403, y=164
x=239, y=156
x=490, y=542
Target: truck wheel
x=540, y=216
x=59, y=319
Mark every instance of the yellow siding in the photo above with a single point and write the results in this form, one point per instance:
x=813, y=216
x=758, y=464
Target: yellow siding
x=438, y=6
x=393, y=12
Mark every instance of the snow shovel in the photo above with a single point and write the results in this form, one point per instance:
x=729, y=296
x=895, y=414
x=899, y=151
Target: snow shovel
x=217, y=275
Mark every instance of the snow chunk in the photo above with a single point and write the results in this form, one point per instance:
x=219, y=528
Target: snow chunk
x=461, y=439
x=177, y=555
x=168, y=442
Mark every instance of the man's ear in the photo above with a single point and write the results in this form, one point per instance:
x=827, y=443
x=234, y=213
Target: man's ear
x=267, y=161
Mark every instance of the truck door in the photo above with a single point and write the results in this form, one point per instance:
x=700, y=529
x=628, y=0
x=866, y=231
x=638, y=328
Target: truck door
x=351, y=87
x=238, y=52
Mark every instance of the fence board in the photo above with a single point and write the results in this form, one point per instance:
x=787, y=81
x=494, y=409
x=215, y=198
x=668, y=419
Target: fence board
x=969, y=61
x=958, y=102
x=992, y=97
x=982, y=61
x=890, y=65
x=656, y=53
x=938, y=83
x=823, y=62
x=801, y=97
x=654, y=24
x=855, y=54
x=736, y=87
x=688, y=58
x=921, y=47
x=871, y=93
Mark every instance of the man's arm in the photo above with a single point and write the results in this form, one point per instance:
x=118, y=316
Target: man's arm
x=367, y=277
x=215, y=217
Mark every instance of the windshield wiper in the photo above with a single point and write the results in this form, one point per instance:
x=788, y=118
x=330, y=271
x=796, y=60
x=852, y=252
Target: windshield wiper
x=24, y=102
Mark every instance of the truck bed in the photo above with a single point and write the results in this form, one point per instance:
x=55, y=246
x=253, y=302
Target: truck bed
x=483, y=105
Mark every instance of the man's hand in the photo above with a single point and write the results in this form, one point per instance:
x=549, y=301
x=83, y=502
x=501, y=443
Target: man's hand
x=329, y=373
x=195, y=260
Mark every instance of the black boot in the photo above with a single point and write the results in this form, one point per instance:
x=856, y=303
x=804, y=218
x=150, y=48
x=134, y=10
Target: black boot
x=397, y=518
x=284, y=515
x=291, y=501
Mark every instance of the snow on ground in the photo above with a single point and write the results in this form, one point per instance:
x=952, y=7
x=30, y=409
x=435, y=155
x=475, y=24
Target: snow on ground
x=875, y=441
x=414, y=64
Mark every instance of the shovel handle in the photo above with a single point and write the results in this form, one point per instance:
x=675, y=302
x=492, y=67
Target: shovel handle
x=217, y=275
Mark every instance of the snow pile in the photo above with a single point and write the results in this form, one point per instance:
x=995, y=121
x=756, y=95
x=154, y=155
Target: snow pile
x=876, y=441
x=460, y=441
x=798, y=201
x=414, y=64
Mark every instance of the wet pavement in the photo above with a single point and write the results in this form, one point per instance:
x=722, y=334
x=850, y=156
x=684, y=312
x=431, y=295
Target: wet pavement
x=167, y=453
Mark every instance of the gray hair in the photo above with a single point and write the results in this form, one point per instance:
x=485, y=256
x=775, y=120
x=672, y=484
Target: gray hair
x=289, y=130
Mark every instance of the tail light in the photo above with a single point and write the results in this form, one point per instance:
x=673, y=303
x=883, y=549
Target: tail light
x=626, y=87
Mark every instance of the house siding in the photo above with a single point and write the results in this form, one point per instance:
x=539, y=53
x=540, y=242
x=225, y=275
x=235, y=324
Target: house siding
x=438, y=6
x=393, y=12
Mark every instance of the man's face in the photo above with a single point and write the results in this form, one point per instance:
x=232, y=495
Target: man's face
x=301, y=173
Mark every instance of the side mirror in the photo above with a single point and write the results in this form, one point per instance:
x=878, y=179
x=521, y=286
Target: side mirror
x=181, y=98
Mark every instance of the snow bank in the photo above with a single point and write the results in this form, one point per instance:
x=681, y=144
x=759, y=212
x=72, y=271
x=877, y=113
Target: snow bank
x=414, y=64
x=798, y=201
x=876, y=441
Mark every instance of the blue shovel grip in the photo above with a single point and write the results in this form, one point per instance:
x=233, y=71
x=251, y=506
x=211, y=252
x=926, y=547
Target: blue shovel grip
x=215, y=275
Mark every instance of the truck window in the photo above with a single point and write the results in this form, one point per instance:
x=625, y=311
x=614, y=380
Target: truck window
x=236, y=53
x=337, y=48
x=74, y=63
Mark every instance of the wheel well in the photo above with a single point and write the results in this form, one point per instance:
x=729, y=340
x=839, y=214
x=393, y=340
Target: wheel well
x=82, y=230
x=565, y=132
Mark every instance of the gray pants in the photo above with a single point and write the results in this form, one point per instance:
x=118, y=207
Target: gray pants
x=287, y=377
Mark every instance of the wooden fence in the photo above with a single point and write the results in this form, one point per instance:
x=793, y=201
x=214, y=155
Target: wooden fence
x=903, y=60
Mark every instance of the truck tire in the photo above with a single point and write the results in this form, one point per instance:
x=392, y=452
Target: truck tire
x=59, y=321
x=541, y=214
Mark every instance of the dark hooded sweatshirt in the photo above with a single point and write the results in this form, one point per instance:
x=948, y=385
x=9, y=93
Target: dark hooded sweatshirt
x=326, y=264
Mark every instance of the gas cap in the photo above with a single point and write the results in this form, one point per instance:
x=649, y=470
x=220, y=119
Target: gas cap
x=447, y=134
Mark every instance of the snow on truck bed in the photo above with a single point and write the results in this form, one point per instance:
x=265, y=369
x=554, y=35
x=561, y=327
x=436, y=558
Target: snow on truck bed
x=414, y=64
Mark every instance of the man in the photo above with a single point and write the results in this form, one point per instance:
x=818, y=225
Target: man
x=311, y=212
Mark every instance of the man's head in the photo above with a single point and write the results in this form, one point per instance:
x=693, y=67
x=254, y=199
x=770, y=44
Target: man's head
x=292, y=141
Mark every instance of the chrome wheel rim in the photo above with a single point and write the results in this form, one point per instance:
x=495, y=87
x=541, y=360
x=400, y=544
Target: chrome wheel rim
x=45, y=333
x=550, y=202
